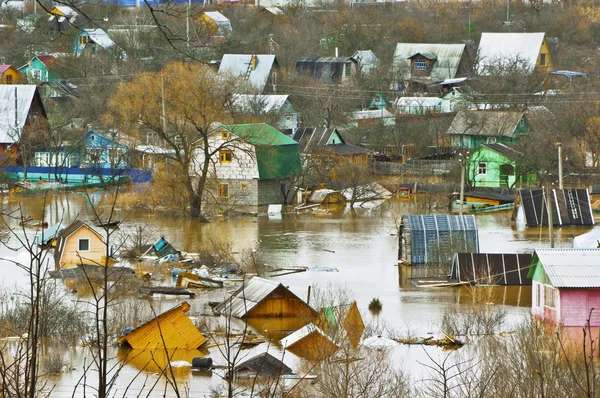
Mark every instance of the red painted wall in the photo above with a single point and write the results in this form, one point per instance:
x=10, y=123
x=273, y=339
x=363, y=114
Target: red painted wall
x=576, y=305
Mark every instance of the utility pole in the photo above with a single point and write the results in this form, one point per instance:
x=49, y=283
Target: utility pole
x=560, y=166
x=550, y=217
x=463, y=165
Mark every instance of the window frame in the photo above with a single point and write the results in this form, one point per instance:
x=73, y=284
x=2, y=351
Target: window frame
x=549, y=297
x=224, y=135
x=543, y=59
x=223, y=191
x=223, y=156
x=79, y=244
x=480, y=168
x=420, y=64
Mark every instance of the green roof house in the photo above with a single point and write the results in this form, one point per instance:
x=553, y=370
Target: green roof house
x=469, y=129
x=253, y=164
x=497, y=165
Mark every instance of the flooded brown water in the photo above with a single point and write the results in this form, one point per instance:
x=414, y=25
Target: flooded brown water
x=361, y=247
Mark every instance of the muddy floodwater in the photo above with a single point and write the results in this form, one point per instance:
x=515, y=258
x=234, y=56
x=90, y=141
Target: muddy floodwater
x=361, y=247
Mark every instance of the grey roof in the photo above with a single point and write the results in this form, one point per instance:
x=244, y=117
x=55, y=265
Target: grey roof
x=488, y=123
x=249, y=295
x=266, y=103
x=366, y=59
x=25, y=95
x=216, y=16
x=329, y=60
x=504, y=49
x=370, y=114
x=301, y=334
x=504, y=150
x=100, y=37
x=446, y=66
x=345, y=149
x=571, y=268
x=264, y=365
x=240, y=65
x=309, y=139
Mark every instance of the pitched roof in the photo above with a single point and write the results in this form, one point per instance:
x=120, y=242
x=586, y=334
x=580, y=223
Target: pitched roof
x=100, y=37
x=241, y=65
x=4, y=68
x=504, y=150
x=448, y=58
x=570, y=268
x=273, y=10
x=488, y=123
x=63, y=10
x=47, y=60
x=216, y=16
x=172, y=327
x=366, y=59
x=301, y=333
x=259, y=134
x=344, y=149
x=264, y=365
x=569, y=207
x=64, y=234
x=504, y=49
x=25, y=96
x=492, y=268
x=266, y=103
x=310, y=138
x=370, y=114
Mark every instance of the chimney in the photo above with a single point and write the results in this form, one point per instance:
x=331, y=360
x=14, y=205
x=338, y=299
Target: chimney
x=253, y=61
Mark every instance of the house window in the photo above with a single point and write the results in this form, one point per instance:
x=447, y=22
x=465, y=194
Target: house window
x=223, y=191
x=41, y=159
x=420, y=65
x=36, y=74
x=225, y=156
x=538, y=295
x=542, y=59
x=348, y=69
x=482, y=168
x=93, y=155
x=549, y=296
x=84, y=245
x=244, y=187
x=225, y=135
x=83, y=40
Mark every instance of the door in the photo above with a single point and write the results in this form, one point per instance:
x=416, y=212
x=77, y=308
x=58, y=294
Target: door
x=506, y=172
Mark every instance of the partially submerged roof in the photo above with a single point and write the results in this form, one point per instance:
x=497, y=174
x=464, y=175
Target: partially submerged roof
x=500, y=197
x=485, y=123
x=447, y=57
x=171, y=329
x=504, y=150
x=252, y=293
x=242, y=65
x=63, y=235
x=569, y=268
x=589, y=240
x=492, y=268
x=326, y=196
x=497, y=50
x=569, y=207
x=302, y=333
x=10, y=129
x=262, y=365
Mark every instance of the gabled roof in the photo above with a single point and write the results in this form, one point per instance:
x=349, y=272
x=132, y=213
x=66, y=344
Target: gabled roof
x=63, y=10
x=98, y=36
x=252, y=292
x=216, y=16
x=25, y=97
x=265, y=103
x=310, y=138
x=260, y=134
x=448, y=58
x=366, y=59
x=63, y=235
x=241, y=65
x=427, y=54
x=504, y=49
x=263, y=365
x=303, y=332
x=4, y=68
x=504, y=150
x=492, y=268
x=171, y=329
x=569, y=207
x=486, y=123
x=273, y=10
x=569, y=268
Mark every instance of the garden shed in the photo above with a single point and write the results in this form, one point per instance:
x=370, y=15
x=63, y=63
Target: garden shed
x=433, y=239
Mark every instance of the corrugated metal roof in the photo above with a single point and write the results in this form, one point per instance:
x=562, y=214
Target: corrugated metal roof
x=417, y=102
x=310, y=138
x=366, y=59
x=571, y=268
x=9, y=128
x=446, y=66
x=266, y=103
x=240, y=65
x=485, y=123
x=248, y=296
x=370, y=114
x=171, y=329
x=504, y=49
x=99, y=37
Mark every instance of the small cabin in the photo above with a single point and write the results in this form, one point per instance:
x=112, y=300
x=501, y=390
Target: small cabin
x=433, y=239
x=569, y=207
x=566, y=286
x=262, y=298
x=261, y=366
x=10, y=75
x=310, y=342
x=80, y=244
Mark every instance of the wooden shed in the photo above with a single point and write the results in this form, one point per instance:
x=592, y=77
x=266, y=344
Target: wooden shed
x=492, y=268
x=326, y=196
x=262, y=366
x=171, y=329
x=342, y=322
x=566, y=286
x=262, y=298
x=310, y=342
x=433, y=239
x=80, y=244
x=569, y=207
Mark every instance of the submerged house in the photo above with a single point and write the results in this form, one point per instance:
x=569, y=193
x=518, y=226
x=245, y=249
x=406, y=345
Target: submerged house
x=497, y=165
x=80, y=244
x=433, y=239
x=261, y=366
x=569, y=207
x=258, y=70
x=169, y=330
x=566, y=286
x=310, y=342
x=503, y=269
x=342, y=322
x=504, y=53
x=328, y=70
x=255, y=162
x=469, y=129
x=262, y=298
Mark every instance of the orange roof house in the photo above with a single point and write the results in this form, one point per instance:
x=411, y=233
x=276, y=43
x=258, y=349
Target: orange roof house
x=171, y=329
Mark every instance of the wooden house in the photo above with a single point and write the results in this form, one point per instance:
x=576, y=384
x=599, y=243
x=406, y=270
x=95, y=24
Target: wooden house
x=566, y=286
x=341, y=323
x=29, y=113
x=497, y=165
x=328, y=70
x=469, y=129
x=257, y=70
x=433, y=239
x=502, y=269
x=80, y=244
x=254, y=165
x=262, y=298
x=261, y=366
x=310, y=342
x=10, y=75
x=171, y=329
x=92, y=41
x=569, y=207
x=41, y=68
x=217, y=23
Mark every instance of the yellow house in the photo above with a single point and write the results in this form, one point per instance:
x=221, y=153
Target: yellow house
x=80, y=244
x=10, y=75
x=499, y=53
